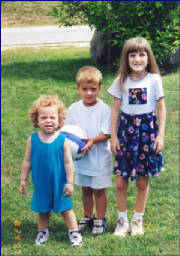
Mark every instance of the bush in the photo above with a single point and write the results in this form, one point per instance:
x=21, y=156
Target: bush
x=121, y=20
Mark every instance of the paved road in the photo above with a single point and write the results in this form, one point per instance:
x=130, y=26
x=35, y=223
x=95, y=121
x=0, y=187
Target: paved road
x=27, y=36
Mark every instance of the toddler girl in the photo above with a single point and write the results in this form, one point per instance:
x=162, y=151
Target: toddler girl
x=49, y=157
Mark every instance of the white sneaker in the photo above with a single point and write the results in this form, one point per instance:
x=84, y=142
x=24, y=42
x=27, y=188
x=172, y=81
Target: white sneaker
x=75, y=238
x=85, y=223
x=136, y=227
x=99, y=226
x=122, y=227
x=42, y=237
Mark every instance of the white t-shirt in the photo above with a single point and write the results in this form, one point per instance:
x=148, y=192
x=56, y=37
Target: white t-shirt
x=140, y=96
x=93, y=120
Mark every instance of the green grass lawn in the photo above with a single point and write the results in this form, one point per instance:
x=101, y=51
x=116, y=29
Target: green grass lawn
x=27, y=73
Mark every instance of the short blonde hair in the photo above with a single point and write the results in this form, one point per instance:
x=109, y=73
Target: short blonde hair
x=88, y=74
x=134, y=45
x=47, y=101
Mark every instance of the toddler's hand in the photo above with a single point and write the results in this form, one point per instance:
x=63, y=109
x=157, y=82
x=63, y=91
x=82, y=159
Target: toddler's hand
x=22, y=188
x=88, y=146
x=115, y=145
x=68, y=190
x=158, y=144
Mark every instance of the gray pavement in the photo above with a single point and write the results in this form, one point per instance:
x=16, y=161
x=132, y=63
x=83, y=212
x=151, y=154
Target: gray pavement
x=27, y=36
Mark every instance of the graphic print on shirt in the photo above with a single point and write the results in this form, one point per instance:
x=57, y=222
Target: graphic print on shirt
x=137, y=96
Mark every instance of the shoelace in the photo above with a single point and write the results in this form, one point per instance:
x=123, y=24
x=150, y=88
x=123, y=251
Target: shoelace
x=121, y=221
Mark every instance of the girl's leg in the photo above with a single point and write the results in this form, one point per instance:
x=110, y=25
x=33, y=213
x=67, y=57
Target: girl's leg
x=43, y=220
x=88, y=201
x=142, y=184
x=122, y=226
x=121, y=193
x=101, y=202
x=70, y=219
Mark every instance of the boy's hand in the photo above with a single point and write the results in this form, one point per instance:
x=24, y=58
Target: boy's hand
x=158, y=144
x=88, y=146
x=68, y=190
x=22, y=188
x=115, y=144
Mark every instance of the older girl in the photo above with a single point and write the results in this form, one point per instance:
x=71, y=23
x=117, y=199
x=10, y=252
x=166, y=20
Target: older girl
x=136, y=140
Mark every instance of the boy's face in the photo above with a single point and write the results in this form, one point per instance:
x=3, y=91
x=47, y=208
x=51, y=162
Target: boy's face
x=89, y=92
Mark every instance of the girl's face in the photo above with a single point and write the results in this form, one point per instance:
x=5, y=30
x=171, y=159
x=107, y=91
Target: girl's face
x=48, y=119
x=89, y=92
x=138, y=62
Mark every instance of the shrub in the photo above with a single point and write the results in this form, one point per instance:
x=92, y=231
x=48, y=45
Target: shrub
x=121, y=20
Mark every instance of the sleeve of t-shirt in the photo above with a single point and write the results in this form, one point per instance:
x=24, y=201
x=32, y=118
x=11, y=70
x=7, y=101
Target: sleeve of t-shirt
x=158, y=87
x=69, y=116
x=106, y=121
x=114, y=89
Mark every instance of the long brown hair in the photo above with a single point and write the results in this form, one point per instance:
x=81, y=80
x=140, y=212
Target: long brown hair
x=134, y=45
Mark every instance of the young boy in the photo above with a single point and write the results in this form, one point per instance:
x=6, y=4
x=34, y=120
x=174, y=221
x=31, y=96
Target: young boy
x=93, y=171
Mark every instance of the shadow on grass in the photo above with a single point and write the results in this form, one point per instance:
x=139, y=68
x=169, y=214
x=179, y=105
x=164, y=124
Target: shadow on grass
x=64, y=70
x=28, y=231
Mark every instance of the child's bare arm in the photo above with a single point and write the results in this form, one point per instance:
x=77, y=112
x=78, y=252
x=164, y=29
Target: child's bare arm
x=114, y=120
x=159, y=141
x=69, y=167
x=25, y=167
x=90, y=141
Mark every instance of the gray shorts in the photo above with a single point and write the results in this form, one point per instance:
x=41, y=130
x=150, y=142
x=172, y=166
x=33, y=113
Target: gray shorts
x=95, y=182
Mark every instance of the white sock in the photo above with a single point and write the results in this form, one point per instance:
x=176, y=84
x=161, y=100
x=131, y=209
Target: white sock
x=72, y=230
x=122, y=215
x=46, y=230
x=138, y=215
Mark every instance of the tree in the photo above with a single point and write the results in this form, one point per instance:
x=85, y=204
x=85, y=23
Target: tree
x=157, y=21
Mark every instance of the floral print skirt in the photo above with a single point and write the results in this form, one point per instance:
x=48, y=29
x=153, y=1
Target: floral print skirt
x=136, y=156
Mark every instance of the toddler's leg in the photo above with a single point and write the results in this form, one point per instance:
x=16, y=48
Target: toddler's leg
x=43, y=220
x=142, y=184
x=70, y=219
x=43, y=225
x=88, y=201
x=71, y=223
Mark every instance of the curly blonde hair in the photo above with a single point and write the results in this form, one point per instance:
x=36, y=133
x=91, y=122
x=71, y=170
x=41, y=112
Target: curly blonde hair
x=47, y=101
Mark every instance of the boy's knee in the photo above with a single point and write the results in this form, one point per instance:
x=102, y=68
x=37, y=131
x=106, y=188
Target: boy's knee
x=99, y=192
x=87, y=191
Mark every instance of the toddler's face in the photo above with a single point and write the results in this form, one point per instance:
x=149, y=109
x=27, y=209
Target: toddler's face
x=89, y=92
x=48, y=119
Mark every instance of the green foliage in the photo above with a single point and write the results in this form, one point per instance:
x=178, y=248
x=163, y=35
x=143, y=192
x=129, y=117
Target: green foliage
x=157, y=21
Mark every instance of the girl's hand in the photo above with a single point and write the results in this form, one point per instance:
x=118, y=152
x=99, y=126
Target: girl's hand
x=115, y=144
x=68, y=190
x=158, y=144
x=22, y=188
x=88, y=146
